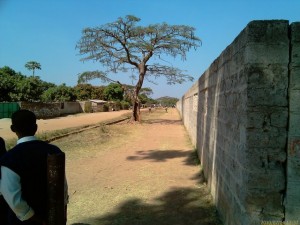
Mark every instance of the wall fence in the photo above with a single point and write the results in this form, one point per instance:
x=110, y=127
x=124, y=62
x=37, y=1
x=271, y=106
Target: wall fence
x=243, y=116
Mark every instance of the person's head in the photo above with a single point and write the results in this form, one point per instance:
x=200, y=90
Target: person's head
x=23, y=123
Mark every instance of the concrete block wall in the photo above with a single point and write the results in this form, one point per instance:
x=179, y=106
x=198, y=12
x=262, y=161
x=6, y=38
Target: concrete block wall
x=237, y=116
x=51, y=110
x=70, y=108
x=42, y=110
x=293, y=154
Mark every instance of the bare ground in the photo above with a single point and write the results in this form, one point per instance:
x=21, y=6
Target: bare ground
x=46, y=125
x=131, y=174
x=136, y=174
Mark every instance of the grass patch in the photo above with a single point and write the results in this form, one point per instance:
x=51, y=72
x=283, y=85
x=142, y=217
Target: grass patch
x=93, y=141
x=48, y=136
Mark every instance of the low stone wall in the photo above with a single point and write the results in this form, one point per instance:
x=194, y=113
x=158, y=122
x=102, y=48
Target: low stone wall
x=237, y=116
x=42, y=110
x=51, y=110
x=70, y=108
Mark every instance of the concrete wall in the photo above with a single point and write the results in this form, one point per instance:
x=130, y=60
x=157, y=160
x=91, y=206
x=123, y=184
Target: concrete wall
x=237, y=116
x=51, y=110
x=293, y=153
x=42, y=110
x=70, y=108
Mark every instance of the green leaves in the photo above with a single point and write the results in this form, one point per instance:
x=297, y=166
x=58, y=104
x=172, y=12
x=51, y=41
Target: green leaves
x=123, y=45
x=61, y=93
x=33, y=65
x=113, y=91
x=17, y=87
x=90, y=75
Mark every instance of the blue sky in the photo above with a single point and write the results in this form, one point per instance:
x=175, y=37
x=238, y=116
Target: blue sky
x=47, y=31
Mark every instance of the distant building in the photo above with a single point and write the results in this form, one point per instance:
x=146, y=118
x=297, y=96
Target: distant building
x=98, y=105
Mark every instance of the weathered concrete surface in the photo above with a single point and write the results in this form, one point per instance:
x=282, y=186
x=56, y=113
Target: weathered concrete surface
x=293, y=153
x=237, y=115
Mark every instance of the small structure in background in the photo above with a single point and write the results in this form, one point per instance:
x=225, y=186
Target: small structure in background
x=99, y=105
x=103, y=106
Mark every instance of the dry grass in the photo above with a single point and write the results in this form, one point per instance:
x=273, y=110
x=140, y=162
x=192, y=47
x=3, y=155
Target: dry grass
x=133, y=174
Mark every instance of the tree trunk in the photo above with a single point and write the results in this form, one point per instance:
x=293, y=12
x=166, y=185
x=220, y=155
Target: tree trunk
x=136, y=114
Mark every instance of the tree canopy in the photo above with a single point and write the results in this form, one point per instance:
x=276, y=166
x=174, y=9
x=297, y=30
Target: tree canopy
x=33, y=65
x=17, y=87
x=61, y=93
x=113, y=91
x=123, y=45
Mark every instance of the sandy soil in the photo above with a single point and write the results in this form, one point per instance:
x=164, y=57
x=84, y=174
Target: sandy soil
x=131, y=174
x=144, y=175
x=62, y=122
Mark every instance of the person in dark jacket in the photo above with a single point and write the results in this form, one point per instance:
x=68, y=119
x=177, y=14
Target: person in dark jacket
x=24, y=173
x=2, y=147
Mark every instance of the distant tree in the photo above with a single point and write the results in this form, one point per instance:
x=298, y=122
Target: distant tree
x=83, y=91
x=98, y=92
x=124, y=45
x=88, y=91
x=8, y=71
x=17, y=87
x=32, y=65
x=167, y=101
x=113, y=91
x=61, y=93
x=146, y=91
x=30, y=89
x=7, y=83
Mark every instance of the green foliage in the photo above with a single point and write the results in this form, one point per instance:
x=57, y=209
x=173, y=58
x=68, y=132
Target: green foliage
x=61, y=93
x=28, y=89
x=124, y=42
x=123, y=45
x=33, y=65
x=90, y=75
x=125, y=105
x=8, y=71
x=117, y=105
x=87, y=91
x=146, y=91
x=143, y=98
x=98, y=92
x=113, y=92
x=7, y=78
x=167, y=101
x=17, y=87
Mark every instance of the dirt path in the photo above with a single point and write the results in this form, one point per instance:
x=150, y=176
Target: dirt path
x=62, y=122
x=136, y=174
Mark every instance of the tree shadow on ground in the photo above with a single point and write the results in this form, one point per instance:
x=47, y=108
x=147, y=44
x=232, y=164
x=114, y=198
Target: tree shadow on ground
x=190, y=157
x=179, y=206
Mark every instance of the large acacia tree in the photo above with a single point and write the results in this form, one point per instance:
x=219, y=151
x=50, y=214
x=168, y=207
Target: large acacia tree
x=123, y=45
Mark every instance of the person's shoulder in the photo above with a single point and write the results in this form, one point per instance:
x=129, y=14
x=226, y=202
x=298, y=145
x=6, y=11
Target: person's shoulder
x=54, y=148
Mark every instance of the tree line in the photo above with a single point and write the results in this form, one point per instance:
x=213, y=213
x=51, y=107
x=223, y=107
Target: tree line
x=15, y=87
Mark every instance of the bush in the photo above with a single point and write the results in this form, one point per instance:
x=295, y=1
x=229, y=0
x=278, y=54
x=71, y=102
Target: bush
x=125, y=105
